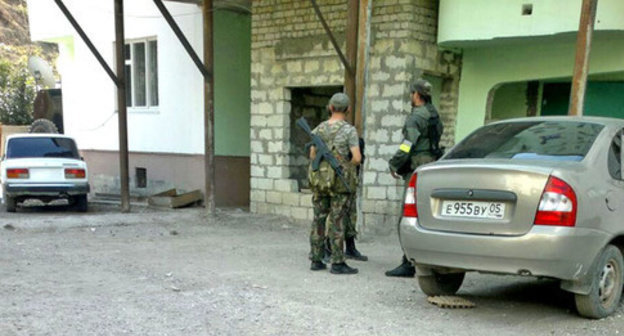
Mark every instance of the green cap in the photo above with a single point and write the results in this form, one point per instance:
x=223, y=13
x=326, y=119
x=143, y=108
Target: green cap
x=421, y=86
x=339, y=101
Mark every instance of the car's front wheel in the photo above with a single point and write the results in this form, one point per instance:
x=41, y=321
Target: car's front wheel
x=81, y=203
x=441, y=284
x=10, y=203
x=606, y=287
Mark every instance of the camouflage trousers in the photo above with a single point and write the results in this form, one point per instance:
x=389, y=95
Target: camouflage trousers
x=331, y=210
x=350, y=220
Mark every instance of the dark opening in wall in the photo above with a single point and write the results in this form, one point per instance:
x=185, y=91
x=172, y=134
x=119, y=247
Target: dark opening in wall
x=141, y=177
x=311, y=103
x=527, y=9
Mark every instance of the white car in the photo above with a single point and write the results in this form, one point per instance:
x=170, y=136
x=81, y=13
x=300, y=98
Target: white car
x=44, y=167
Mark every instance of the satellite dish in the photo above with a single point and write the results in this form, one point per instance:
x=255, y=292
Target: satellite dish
x=41, y=70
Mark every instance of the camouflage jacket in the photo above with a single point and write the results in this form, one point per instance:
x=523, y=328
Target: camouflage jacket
x=344, y=137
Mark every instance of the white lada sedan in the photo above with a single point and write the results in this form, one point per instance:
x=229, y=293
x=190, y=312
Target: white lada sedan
x=535, y=197
x=44, y=167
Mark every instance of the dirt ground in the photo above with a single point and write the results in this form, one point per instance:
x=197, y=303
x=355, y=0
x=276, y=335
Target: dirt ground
x=155, y=272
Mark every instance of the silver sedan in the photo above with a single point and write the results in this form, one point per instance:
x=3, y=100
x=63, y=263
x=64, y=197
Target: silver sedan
x=533, y=196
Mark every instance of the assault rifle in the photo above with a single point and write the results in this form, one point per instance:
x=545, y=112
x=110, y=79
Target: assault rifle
x=322, y=152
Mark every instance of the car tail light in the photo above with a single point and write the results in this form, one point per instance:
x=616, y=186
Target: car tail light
x=409, y=206
x=72, y=173
x=558, y=204
x=17, y=173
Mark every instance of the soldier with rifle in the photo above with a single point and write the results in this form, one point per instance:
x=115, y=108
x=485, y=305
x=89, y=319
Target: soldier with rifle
x=332, y=180
x=351, y=252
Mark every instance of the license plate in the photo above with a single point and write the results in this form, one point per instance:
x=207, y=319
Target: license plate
x=472, y=209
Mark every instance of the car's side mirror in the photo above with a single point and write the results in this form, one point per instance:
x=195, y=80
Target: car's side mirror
x=82, y=158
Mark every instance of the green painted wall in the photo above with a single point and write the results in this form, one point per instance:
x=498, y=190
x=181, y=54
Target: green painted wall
x=510, y=101
x=466, y=21
x=484, y=68
x=602, y=99
x=232, y=45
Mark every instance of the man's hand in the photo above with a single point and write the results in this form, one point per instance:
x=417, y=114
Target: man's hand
x=394, y=174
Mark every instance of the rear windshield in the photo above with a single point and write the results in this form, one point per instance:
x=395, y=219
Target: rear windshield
x=38, y=147
x=538, y=140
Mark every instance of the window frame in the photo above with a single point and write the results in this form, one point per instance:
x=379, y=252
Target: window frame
x=620, y=158
x=130, y=62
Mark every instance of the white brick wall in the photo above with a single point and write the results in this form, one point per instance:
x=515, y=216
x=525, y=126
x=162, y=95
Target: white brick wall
x=290, y=49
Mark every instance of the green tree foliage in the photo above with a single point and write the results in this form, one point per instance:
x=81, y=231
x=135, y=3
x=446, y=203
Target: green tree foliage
x=17, y=93
x=17, y=86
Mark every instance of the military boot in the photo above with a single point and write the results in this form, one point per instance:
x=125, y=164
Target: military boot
x=317, y=266
x=342, y=268
x=406, y=269
x=351, y=252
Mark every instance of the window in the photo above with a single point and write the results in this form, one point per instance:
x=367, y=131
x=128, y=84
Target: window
x=529, y=140
x=141, y=177
x=141, y=70
x=527, y=9
x=42, y=147
x=614, y=159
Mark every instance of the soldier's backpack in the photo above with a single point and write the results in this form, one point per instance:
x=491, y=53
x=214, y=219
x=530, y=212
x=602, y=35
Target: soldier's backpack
x=434, y=131
x=323, y=180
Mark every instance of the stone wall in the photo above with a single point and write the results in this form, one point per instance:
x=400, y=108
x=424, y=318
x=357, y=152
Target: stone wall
x=290, y=50
x=403, y=36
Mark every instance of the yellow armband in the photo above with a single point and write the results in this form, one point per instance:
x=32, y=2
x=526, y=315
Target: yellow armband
x=405, y=146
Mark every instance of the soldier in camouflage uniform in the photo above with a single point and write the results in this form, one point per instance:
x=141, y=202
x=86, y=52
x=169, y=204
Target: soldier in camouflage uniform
x=333, y=207
x=415, y=148
x=351, y=252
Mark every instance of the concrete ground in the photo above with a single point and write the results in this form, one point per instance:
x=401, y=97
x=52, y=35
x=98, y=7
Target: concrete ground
x=154, y=272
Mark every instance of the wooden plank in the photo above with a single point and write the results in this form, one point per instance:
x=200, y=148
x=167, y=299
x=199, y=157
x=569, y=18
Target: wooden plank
x=171, y=199
x=170, y=193
x=187, y=199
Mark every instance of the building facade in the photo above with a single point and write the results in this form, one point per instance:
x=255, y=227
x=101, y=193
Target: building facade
x=518, y=58
x=164, y=95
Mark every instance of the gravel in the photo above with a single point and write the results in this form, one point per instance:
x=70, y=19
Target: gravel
x=162, y=272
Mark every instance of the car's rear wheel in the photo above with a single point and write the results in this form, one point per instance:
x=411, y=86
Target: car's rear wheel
x=441, y=284
x=10, y=203
x=81, y=203
x=606, y=287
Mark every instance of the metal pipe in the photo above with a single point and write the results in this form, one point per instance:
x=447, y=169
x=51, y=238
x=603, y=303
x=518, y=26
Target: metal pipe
x=209, y=107
x=362, y=58
x=121, y=106
x=332, y=39
x=581, y=64
x=180, y=35
x=87, y=41
x=352, y=45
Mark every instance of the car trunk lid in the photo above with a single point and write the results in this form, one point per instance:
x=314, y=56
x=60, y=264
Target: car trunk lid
x=477, y=197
